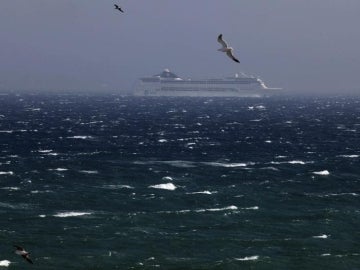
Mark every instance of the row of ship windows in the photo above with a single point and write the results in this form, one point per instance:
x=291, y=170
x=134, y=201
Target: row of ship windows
x=198, y=89
x=207, y=82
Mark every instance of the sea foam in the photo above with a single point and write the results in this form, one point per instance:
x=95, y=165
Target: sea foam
x=324, y=172
x=7, y=173
x=250, y=258
x=168, y=186
x=5, y=263
x=71, y=214
x=323, y=236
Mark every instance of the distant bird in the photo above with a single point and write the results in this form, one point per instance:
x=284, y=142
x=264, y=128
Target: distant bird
x=118, y=8
x=226, y=49
x=22, y=252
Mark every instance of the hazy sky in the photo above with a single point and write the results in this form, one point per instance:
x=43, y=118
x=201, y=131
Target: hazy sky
x=300, y=45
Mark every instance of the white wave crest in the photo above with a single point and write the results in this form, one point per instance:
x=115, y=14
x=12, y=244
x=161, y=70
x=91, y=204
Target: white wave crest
x=45, y=151
x=88, y=172
x=231, y=207
x=5, y=263
x=250, y=258
x=349, y=156
x=168, y=186
x=324, y=172
x=323, y=236
x=7, y=173
x=11, y=188
x=71, y=214
x=59, y=169
x=202, y=192
x=227, y=165
x=251, y=208
x=117, y=186
x=81, y=137
x=297, y=162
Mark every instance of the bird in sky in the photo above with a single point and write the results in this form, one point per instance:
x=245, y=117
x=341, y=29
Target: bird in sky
x=226, y=49
x=118, y=8
x=23, y=253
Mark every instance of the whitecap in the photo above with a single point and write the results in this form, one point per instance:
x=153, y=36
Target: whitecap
x=81, y=137
x=296, y=162
x=7, y=173
x=226, y=165
x=349, y=156
x=231, y=207
x=117, y=186
x=251, y=208
x=59, y=169
x=324, y=172
x=323, y=236
x=342, y=194
x=167, y=178
x=291, y=162
x=11, y=188
x=270, y=168
x=71, y=214
x=5, y=263
x=168, y=186
x=52, y=154
x=88, y=172
x=15, y=206
x=162, y=140
x=202, y=192
x=250, y=258
x=45, y=151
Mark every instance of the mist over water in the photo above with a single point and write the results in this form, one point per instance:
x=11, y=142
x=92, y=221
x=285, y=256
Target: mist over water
x=112, y=182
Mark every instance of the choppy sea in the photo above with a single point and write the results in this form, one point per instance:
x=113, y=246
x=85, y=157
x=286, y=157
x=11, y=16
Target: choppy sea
x=113, y=182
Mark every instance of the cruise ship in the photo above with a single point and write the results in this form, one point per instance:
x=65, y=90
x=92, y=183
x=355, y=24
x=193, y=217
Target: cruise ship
x=169, y=84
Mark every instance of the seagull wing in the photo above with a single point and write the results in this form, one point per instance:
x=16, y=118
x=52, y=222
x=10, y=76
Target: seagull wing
x=221, y=41
x=26, y=257
x=230, y=54
x=18, y=247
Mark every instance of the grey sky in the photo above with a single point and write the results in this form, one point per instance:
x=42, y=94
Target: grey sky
x=300, y=45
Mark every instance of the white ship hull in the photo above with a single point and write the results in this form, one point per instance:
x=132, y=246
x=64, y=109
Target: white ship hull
x=168, y=84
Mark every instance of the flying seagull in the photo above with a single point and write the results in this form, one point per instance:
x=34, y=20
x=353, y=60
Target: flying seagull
x=22, y=252
x=225, y=48
x=118, y=8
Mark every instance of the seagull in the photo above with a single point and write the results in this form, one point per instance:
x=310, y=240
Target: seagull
x=22, y=252
x=225, y=48
x=118, y=8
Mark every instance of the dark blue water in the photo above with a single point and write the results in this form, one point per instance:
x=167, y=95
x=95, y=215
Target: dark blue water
x=110, y=182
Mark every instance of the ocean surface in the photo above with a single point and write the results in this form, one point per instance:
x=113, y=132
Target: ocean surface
x=113, y=182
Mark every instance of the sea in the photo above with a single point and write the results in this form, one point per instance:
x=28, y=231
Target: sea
x=104, y=181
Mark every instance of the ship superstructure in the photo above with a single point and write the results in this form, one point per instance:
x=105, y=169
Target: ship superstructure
x=169, y=84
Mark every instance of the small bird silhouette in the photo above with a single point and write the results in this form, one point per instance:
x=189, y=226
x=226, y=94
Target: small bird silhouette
x=226, y=49
x=118, y=8
x=22, y=252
